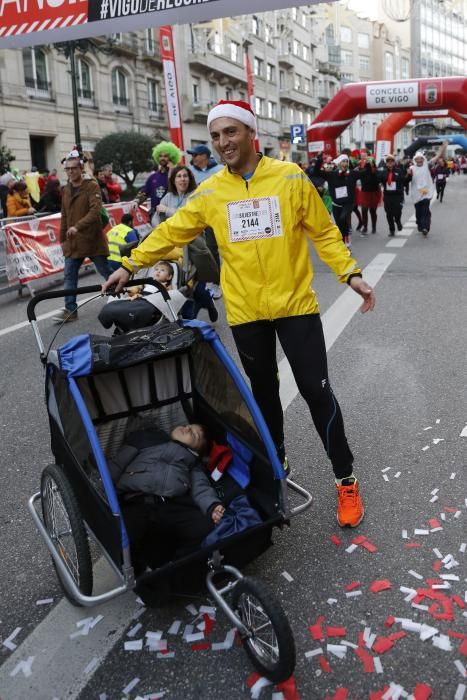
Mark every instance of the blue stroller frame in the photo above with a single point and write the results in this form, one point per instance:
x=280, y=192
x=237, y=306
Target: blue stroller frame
x=98, y=389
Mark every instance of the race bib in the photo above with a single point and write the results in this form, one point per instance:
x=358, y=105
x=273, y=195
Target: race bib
x=441, y=177
x=341, y=192
x=254, y=219
x=391, y=187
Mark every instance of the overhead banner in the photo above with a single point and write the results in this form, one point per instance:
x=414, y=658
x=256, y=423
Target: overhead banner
x=33, y=248
x=171, y=86
x=30, y=22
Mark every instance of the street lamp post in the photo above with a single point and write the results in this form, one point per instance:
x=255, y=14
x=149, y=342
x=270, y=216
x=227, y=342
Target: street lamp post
x=74, y=95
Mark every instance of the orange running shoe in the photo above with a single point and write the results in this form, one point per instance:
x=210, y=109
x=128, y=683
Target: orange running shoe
x=350, y=510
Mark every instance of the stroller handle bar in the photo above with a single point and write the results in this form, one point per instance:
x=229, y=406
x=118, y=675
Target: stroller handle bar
x=93, y=289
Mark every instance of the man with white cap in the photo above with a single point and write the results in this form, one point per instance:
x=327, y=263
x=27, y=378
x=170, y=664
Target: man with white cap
x=263, y=212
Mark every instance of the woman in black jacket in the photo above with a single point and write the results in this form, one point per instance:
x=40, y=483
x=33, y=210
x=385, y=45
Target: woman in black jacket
x=51, y=200
x=341, y=182
x=371, y=193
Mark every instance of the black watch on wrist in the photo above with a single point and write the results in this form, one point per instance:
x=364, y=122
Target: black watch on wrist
x=354, y=274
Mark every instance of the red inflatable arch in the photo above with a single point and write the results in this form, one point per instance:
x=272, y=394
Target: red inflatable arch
x=397, y=120
x=388, y=96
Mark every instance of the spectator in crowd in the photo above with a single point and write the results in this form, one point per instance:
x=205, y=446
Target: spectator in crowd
x=32, y=181
x=81, y=234
x=165, y=155
x=202, y=163
x=103, y=186
x=120, y=238
x=18, y=202
x=7, y=180
x=113, y=186
x=51, y=200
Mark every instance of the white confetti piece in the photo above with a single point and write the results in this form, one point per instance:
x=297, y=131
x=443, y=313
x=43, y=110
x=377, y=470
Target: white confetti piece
x=427, y=632
x=313, y=652
x=415, y=574
x=463, y=547
x=134, y=630
x=138, y=613
x=386, y=469
x=93, y=664
x=418, y=531
x=441, y=586
x=464, y=432
x=460, y=692
x=208, y=610
x=385, y=477
x=437, y=553
x=428, y=428
x=434, y=499
x=436, y=441
x=378, y=665
x=405, y=589
x=349, y=644
x=174, y=627
x=191, y=609
x=434, y=492
x=338, y=650
x=153, y=636
x=194, y=637
x=420, y=607
x=449, y=577
x=188, y=630
x=278, y=696
x=23, y=666
x=409, y=625
x=438, y=421
x=134, y=645
x=157, y=644
x=442, y=642
x=45, y=601
x=103, y=696
x=461, y=668
x=457, y=514
x=165, y=655
x=443, y=516
x=331, y=601
x=394, y=692
x=351, y=548
x=397, y=475
x=8, y=642
x=424, y=449
x=453, y=475
x=287, y=576
x=405, y=535
x=132, y=684
x=256, y=689
x=436, y=529
x=353, y=594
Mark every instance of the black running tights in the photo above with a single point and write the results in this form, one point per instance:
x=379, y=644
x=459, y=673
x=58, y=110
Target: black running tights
x=302, y=340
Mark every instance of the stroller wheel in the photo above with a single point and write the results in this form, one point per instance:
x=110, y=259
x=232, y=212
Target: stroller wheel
x=65, y=526
x=271, y=647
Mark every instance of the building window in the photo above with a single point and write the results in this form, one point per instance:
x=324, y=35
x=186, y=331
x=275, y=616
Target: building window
x=241, y=96
x=84, y=80
x=258, y=64
x=255, y=25
x=347, y=58
x=364, y=64
x=405, y=71
x=363, y=40
x=291, y=115
x=154, y=96
x=259, y=104
x=268, y=34
x=234, y=51
x=346, y=35
x=300, y=117
x=195, y=90
x=150, y=42
x=294, y=14
x=120, y=88
x=272, y=110
x=307, y=86
x=305, y=52
x=388, y=66
x=296, y=47
x=283, y=114
x=303, y=20
x=35, y=70
x=282, y=81
x=213, y=93
x=217, y=43
x=297, y=82
x=271, y=73
x=228, y=93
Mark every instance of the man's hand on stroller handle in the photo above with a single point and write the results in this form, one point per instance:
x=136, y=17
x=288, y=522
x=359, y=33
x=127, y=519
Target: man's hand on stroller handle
x=117, y=281
x=217, y=514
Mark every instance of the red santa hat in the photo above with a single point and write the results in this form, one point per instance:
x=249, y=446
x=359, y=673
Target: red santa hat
x=235, y=109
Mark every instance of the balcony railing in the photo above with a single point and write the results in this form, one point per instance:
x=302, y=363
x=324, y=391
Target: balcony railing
x=155, y=110
x=38, y=88
x=120, y=101
x=86, y=95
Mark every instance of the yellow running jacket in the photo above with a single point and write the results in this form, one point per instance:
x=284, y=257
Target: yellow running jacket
x=262, y=227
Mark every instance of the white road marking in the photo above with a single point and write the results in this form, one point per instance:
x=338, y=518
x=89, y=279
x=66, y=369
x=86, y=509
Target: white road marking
x=334, y=321
x=396, y=243
x=49, y=314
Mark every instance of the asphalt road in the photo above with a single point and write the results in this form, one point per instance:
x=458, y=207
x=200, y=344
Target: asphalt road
x=399, y=375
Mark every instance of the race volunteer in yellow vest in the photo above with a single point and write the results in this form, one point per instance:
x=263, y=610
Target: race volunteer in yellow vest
x=264, y=213
x=118, y=237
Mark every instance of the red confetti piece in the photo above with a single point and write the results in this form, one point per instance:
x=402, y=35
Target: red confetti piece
x=316, y=630
x=437, y=565
x=324, y=663
x=360, y=539
x=458, y=601
x=252, y=678
x=289, y=689
x=412, y=545
x=382, y=645
x=422, y=692
x=341, y=694
x=390, y=621
x=394, y=636
x=361, y=639
x=199, y=647
x=457, y=635
x=463, y=648
x=367, y=660
x=378, y=695
x=352, y=586
x=209, y=624
x=381, y=585
x=164, y=651
x=335, y=540
x=433, y=582
x=433, y=522
x=447, y=509
x=369, y=546
x=336, y=631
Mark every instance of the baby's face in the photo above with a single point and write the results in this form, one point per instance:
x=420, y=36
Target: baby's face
x=162, y=274
x=190, y=435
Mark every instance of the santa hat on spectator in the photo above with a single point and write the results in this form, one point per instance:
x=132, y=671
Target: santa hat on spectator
x=355, y=153
x=235, y=109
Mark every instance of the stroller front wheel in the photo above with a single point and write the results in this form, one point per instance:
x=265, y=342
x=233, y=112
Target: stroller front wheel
x=271, y=646
x=64, y=523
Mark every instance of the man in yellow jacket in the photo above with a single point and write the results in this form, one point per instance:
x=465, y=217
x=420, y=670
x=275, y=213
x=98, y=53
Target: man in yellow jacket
x=263, y=211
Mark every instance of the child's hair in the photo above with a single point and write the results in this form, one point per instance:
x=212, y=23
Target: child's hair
x=206, y=447
x=167, y=266
x=127, y=219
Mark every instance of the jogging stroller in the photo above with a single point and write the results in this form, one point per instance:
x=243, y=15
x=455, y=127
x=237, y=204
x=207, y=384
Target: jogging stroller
x=97, y=389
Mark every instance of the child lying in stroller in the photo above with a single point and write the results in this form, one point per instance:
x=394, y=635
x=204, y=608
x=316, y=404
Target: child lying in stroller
x=168, y=497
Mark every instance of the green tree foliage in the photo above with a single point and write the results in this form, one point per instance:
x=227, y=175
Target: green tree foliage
x=6, y=156
x=129, y=153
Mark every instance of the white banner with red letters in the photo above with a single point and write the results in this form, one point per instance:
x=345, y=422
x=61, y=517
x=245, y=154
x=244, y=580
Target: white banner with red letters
x=33, y=247
x=30, y=22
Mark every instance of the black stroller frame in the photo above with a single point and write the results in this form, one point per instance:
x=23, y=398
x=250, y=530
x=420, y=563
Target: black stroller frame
x=97, y=389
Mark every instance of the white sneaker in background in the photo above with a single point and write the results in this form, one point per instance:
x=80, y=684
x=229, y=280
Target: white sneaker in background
x=215, y=289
